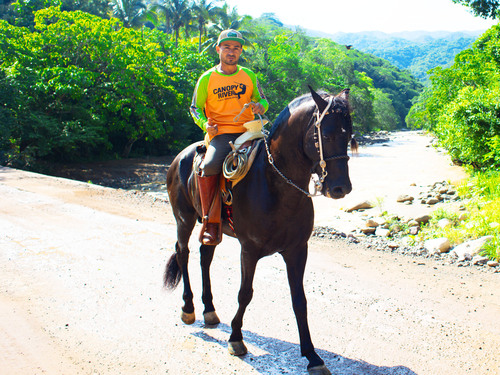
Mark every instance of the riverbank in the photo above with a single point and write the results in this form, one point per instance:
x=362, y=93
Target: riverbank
x=387, y=167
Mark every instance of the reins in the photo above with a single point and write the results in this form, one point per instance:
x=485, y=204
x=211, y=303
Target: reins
x=318, y=184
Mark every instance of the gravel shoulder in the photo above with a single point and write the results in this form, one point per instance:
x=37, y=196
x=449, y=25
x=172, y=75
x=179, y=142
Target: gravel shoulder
x=81, y=270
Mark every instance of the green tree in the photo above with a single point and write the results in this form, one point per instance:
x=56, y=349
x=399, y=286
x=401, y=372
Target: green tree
x=462, y=107
x=177, y=14
x=227, y=18
x=204, y=12
x=24, y=10
x=86, y=87
x=385, y=114
x=133, y=13
x=96, y=7
x=482, y=8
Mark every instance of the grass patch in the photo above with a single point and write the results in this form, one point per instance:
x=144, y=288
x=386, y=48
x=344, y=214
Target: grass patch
x=481, y=193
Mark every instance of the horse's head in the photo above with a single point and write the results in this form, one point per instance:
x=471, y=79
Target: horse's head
x=327, y=140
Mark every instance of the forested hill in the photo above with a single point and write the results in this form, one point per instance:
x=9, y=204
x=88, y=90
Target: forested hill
x=417, y=51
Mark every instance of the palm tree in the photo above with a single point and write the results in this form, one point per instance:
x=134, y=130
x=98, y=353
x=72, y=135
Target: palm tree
x=177, y=15
x=133, y=13
x=228, y=18
x=96, y=7
x=204, y=13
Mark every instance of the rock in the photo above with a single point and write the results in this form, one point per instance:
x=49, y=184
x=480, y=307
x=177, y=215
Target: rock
x=443, y=189
x=368, y=230
x=414, y=230
x=381, y=232
x=494, y=225
x=478, y=259
x=437, y=245
x=360, y=206
x=413, y=223
x=423, y=219
x=432, y=201
x=444, y=223
x=405, y=198
x=469, y=249
x=492, y=263
x=396, y=228
x=371, y=223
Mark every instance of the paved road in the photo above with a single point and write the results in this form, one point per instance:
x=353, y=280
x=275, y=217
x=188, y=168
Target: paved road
x=81, y=270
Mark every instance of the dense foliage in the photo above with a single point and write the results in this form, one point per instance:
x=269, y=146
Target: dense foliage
x=81, y=87
x=462, y=106
x=482, y=8
x=77, y=86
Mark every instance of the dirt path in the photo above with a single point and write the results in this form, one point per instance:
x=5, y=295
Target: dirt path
x=80, y=275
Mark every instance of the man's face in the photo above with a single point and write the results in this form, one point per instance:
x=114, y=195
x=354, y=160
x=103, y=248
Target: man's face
x=229, y=52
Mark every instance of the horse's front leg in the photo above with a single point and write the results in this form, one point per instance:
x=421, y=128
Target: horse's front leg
x=248, y=264
x=295, y=266
x=209, y=314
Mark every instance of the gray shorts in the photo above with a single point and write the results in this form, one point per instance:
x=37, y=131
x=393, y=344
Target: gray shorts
x=217, y=151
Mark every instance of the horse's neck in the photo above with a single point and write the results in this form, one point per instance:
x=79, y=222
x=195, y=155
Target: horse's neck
x=286, y=147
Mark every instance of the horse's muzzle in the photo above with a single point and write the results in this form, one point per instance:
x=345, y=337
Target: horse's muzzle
x=337, y=192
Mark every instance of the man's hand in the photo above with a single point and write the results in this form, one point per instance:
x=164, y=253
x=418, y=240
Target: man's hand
x=257, y=108
x=212, y=128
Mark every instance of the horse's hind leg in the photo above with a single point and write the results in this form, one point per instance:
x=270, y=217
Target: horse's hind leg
x=295, y=266
x=184, y=229
x=206, y=257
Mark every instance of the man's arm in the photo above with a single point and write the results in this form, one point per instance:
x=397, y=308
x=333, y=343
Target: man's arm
x=198, y=103
x=258, y=97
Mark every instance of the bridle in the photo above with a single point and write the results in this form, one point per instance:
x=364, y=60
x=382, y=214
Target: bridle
x=318, y=184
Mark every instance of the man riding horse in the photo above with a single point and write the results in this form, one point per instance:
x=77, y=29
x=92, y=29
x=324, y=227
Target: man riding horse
x=220, y=95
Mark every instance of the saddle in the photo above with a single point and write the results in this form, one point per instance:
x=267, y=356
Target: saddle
x=238, y=161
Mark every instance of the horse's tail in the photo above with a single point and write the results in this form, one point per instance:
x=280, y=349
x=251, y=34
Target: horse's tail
x=172, y=275
x=354, y=145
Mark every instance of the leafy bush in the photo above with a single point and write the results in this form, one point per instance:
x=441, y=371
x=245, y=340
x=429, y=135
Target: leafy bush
x=469, y=127
x=463, y=107
x=87, y=86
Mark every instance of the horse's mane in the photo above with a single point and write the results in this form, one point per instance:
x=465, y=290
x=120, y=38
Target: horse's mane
x=339, y=105
x=285, y=113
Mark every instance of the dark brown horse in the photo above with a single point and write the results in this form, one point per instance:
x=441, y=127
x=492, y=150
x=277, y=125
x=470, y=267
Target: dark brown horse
x=272, y=211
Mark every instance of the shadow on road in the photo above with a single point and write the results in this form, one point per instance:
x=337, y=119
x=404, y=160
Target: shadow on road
x=275, y=356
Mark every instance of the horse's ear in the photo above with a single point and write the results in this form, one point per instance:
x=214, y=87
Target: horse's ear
x=344, y=94
x=320, y=102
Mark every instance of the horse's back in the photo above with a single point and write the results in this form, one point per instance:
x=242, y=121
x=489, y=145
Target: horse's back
x=181, y=167
x=178, y=177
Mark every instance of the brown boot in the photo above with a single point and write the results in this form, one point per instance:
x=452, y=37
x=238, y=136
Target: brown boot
x=210, y=197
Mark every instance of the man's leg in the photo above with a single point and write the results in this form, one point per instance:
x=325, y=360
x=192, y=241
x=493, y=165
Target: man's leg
x=208, y=183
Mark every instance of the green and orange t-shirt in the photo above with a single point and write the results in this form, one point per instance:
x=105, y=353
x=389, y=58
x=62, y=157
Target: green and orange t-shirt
x=222, y=97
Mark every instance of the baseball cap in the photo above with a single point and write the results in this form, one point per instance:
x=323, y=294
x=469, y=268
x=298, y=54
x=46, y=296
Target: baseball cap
x=230, y=34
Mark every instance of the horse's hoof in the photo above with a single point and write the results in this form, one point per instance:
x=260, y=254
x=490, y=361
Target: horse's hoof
x=319, y=370
x=211, y=318
x=237, y=348
x=188, y=318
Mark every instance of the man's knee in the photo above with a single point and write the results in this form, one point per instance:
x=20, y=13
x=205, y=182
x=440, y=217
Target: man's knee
x=211, y=168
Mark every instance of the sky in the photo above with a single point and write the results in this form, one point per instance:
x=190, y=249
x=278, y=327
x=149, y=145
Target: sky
x=331, y=16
